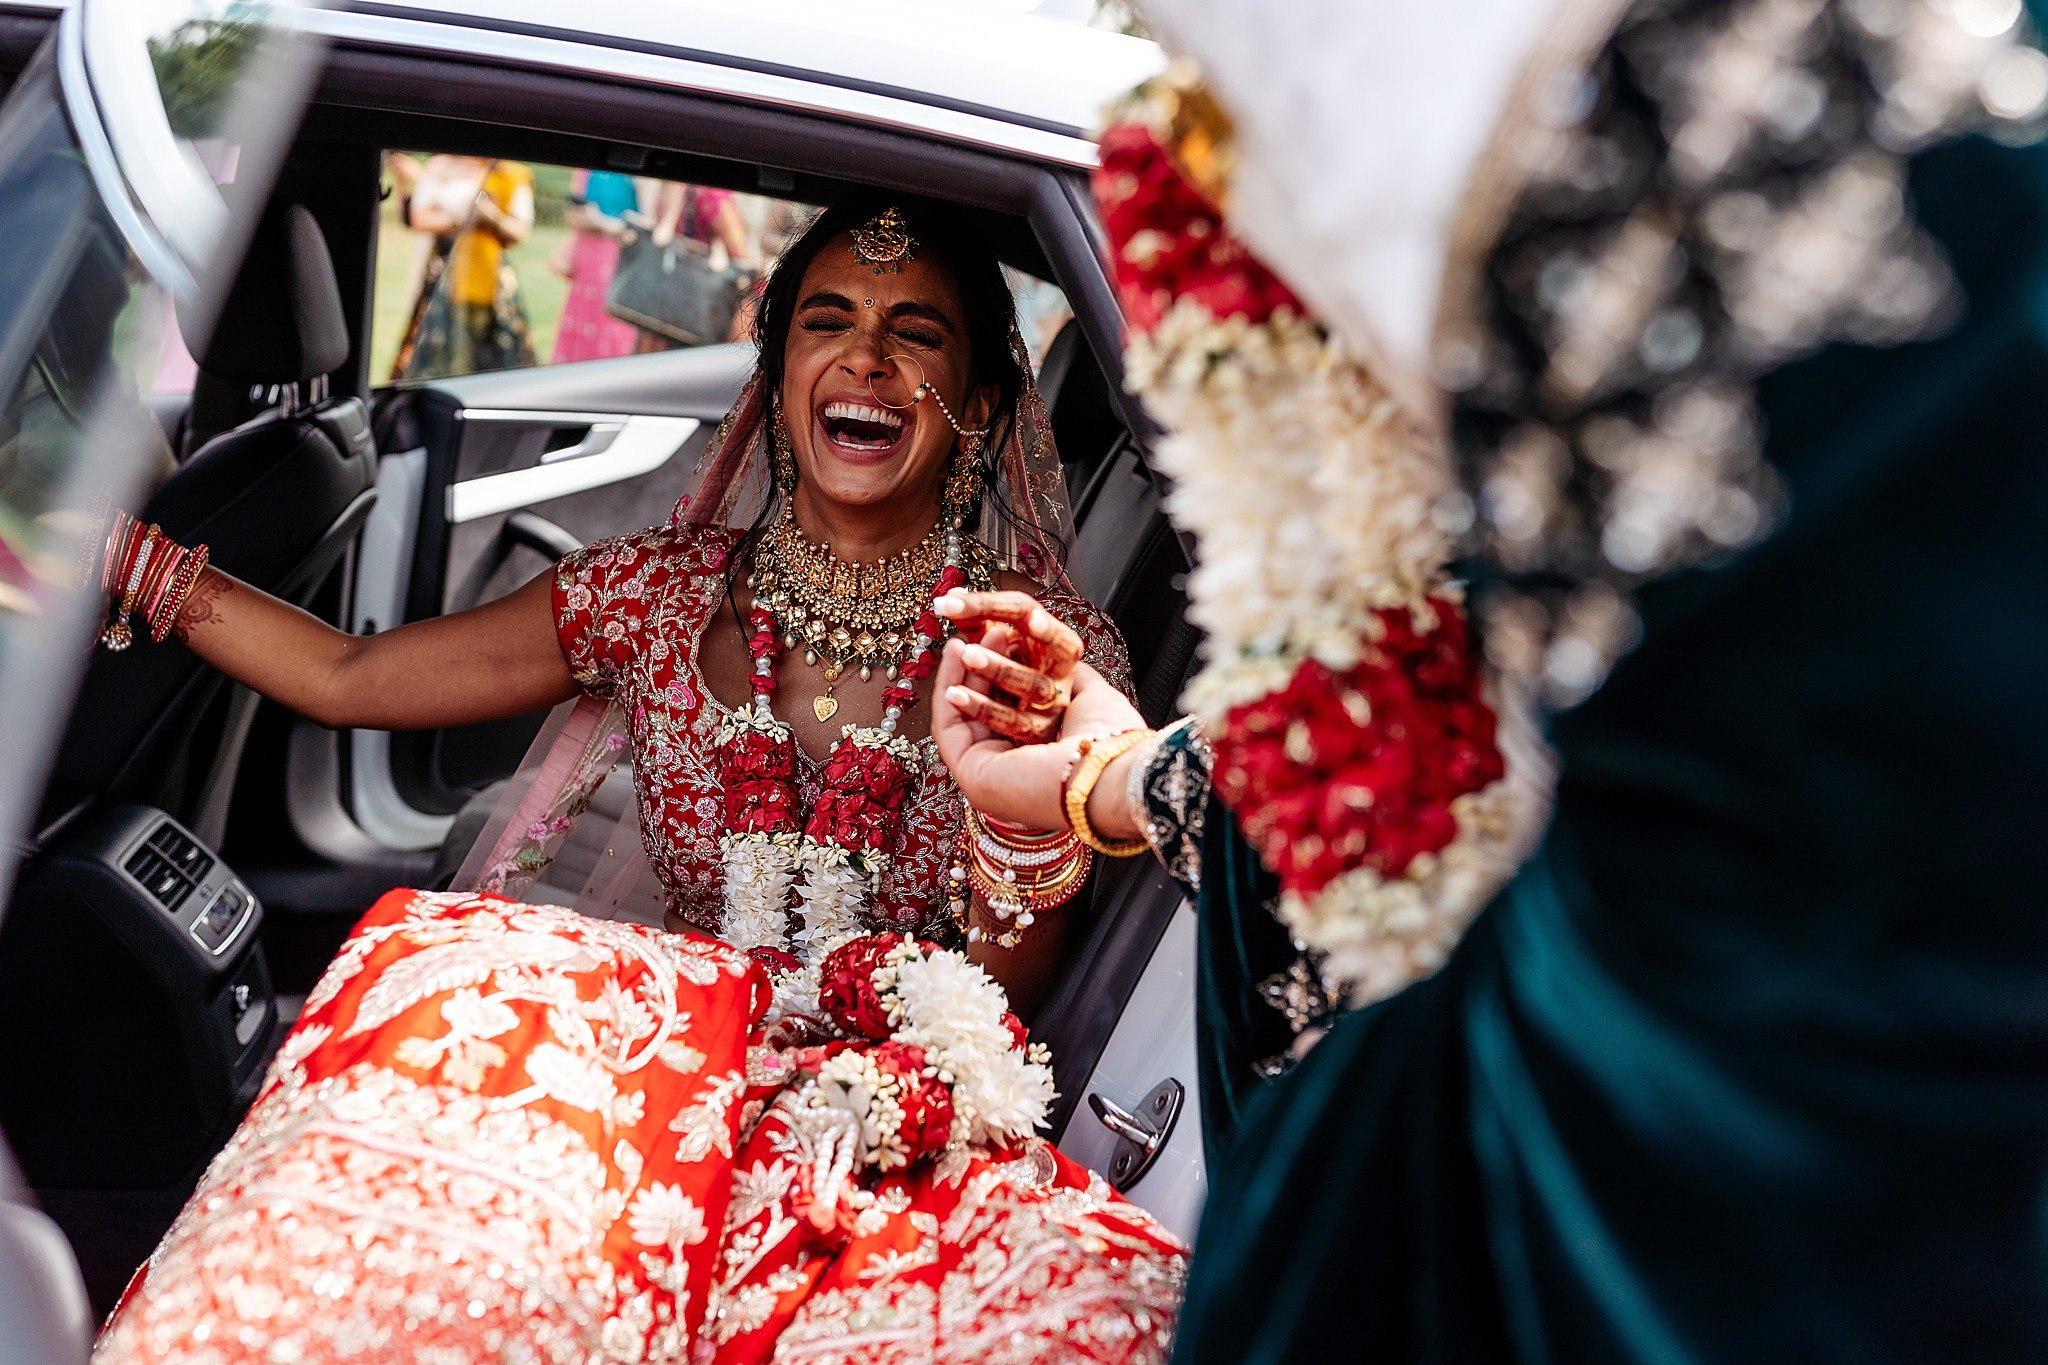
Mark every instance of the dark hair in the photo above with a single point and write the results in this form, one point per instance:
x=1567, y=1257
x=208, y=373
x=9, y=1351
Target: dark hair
x=947, y=236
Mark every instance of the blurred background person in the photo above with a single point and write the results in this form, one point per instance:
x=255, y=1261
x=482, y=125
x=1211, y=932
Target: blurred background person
x=467, y=316
x=598, y=204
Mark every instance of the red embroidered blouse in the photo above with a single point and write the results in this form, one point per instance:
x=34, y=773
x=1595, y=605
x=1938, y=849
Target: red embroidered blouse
x=629, y=612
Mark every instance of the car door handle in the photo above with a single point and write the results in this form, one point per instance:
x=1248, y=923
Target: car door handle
x=596, y=440
x=1140, y=1135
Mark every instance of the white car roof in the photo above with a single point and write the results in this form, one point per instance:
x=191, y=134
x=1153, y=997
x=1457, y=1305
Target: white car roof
x=972, y=71
x=954, y=52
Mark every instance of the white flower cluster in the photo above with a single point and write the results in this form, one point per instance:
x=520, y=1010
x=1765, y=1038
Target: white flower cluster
x=833, y=884
x=836, y=884
x=760, y=869
x=1315, y=500
x=948, y=1006
x=1318, y=503
x=852, y=1084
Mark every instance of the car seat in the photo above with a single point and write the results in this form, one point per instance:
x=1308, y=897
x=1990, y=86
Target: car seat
x=278, y=499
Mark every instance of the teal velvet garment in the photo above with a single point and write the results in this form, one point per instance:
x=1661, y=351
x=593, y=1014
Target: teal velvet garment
x=1751, y=1062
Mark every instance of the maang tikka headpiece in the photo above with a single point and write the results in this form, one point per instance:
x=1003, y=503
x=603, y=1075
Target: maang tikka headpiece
x=884, y=241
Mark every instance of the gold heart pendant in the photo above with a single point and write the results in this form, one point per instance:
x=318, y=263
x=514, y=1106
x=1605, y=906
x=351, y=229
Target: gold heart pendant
x=824, y=707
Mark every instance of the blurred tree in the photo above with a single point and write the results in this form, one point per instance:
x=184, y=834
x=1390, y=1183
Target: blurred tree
x=1120, y=15
x=196, y=67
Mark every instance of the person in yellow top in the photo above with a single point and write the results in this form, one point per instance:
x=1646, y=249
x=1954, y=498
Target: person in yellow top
x=467, y=316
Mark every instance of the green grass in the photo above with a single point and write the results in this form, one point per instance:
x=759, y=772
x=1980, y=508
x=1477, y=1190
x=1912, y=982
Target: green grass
x=398, y=263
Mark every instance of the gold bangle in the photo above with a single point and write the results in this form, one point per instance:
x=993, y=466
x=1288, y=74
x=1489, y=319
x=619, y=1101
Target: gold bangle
x=1094, y=757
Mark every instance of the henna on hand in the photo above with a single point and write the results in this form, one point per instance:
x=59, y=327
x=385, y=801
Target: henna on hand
x=1033, y=690
x=1020, y=727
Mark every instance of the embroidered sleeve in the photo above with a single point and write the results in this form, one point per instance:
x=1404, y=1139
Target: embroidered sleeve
x=1102, y=644
x=1170, y=786
x=601, y=596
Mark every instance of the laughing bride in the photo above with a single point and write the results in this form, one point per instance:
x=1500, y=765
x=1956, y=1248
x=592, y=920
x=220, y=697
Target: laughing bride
x=799, y=1121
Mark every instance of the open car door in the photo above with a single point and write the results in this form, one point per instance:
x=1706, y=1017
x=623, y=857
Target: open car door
x=134, y=151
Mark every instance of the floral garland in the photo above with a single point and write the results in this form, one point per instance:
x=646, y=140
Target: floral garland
x=923, y=1055
x=928, y=1061
x=1343, y=697
x=833, y=858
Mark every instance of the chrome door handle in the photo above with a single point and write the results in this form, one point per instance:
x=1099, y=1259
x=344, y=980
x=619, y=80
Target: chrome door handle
x=1140, y=1136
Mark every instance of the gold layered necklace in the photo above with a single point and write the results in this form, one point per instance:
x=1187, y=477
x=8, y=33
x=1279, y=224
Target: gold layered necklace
x=845, y=614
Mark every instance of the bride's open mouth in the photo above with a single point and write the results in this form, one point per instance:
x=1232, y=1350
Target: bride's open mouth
x=865, y=433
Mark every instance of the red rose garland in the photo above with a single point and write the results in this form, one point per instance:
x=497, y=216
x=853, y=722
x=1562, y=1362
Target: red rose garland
x=832, y=858
x=1174, y=247
x=846, y=985
x=1343, y=696
x=931, y=1061
x=1362, y=769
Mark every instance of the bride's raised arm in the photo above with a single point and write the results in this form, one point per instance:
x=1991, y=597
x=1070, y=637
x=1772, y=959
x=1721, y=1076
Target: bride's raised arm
x=495, y=660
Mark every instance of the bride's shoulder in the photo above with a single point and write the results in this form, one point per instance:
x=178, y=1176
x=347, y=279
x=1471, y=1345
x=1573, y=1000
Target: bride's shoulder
x=671, y=551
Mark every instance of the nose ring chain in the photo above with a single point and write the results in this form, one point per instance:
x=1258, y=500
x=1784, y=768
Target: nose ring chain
x=917, y=395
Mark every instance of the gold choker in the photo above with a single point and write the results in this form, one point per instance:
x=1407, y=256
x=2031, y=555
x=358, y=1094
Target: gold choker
x=845, y=613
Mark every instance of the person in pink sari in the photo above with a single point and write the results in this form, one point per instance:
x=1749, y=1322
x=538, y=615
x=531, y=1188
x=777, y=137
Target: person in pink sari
x=599, y=202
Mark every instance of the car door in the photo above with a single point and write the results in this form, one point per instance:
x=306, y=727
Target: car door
x=108, y=223
x=541, y=396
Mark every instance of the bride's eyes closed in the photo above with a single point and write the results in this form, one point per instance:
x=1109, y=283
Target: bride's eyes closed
x=917, y=334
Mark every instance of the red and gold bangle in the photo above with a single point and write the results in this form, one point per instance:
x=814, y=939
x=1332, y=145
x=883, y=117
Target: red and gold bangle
x=1018, y=873
x=124, y=533
x=162, y=562
x=165, y=619
x=118, y=634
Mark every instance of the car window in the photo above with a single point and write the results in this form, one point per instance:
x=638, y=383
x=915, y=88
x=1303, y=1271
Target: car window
x=487, y=264
x=109, y=206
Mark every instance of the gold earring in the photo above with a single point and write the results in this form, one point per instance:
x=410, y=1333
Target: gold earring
x=963, y=483
x=782, y=457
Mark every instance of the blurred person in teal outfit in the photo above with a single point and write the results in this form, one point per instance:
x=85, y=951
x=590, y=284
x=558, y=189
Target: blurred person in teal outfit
x=1750, y=1060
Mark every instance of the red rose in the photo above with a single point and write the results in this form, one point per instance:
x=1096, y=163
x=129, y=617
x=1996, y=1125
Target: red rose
x=776, y=960
x=1018, y=1033
x=1167, y=241
x=1320, y=791
x=927, y=1102
x=846, y=986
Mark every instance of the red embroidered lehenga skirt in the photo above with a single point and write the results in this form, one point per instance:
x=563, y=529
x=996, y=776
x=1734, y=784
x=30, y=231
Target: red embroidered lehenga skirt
x=502, y=1132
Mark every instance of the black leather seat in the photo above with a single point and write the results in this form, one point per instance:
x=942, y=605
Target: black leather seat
x=278, y=500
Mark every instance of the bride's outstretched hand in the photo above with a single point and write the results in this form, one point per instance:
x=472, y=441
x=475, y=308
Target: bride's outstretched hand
x=1005, y=780
x=1019, y=661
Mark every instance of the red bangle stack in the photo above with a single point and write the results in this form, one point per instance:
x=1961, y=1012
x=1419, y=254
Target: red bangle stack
x=1019, y=872
x=144, y=568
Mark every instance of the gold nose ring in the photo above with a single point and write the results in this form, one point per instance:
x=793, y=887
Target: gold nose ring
x=923, y=391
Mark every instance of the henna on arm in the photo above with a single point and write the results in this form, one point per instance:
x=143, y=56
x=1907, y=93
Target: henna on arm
x=202, y=607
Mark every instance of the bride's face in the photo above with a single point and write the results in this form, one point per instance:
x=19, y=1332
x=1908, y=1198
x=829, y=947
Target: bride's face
x=853, y=328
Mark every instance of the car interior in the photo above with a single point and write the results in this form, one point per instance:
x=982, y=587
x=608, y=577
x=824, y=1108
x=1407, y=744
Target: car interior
x=201, y=853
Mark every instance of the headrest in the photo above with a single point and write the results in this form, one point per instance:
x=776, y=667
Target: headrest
x=282, y=321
